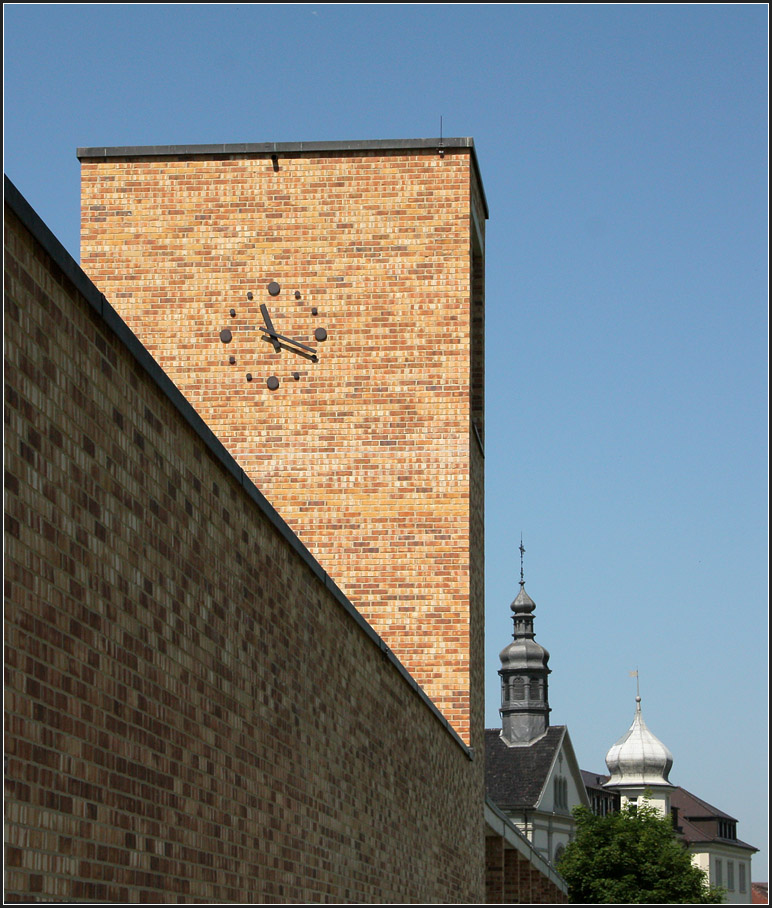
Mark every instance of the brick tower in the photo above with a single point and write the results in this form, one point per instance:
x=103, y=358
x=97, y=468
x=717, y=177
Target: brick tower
x=322, y=307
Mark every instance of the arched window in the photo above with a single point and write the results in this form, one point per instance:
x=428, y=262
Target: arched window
x=560, y=790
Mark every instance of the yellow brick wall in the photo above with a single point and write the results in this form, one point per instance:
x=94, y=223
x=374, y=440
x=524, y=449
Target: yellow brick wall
x=370, y=453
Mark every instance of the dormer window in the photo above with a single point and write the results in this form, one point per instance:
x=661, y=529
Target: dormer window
x=727, y=829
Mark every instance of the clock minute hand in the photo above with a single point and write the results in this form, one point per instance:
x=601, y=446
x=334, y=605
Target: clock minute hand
x=289, y=340
x=292, y=349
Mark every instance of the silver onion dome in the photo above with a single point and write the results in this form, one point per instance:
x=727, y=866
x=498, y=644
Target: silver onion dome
x=638, y=758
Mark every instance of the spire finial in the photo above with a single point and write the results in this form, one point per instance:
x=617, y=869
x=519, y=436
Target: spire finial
x=522, y=552
x=637, y=686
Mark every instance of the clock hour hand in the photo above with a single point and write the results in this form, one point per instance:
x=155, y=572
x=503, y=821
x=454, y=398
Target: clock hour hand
x=269, y=327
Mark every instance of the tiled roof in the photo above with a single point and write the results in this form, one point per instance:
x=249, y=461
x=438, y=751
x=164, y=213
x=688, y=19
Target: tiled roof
x=691, y=806
x=692, y=835
x=515, y=776
x=593, y=779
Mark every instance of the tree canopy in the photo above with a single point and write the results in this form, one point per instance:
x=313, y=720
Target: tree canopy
x=632, y=857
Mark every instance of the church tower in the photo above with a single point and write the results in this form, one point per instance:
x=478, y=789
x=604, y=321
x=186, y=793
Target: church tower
x=321, y=306
x=639, y=764
x=524, y=702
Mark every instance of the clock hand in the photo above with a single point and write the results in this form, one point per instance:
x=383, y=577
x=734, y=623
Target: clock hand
x=292, y=349
x=289, y=340
x=269, y=327
x=274, y=336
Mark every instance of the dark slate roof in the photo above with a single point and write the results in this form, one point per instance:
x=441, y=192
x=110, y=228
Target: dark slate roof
x=515, y=776
x=593, y=779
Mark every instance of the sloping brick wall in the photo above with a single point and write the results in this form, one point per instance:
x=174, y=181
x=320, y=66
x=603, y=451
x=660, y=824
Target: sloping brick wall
x=371, y=454
x=193, y=710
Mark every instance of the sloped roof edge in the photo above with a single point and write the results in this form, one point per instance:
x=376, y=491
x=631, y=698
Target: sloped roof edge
x=98, y=302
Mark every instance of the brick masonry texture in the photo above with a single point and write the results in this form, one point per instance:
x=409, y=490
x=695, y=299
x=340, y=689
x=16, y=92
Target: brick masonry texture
x=371, y=455
x=191, y=713
x=511, y=879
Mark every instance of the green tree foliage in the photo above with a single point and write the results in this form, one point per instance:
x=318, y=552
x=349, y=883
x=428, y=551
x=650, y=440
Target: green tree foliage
x=632, y=857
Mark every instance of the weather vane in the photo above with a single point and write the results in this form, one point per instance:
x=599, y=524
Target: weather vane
x=522, y=552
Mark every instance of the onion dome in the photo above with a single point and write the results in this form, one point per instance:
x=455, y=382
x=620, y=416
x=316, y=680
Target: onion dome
x=638, y=758
x=524, y=689
x=524, y=652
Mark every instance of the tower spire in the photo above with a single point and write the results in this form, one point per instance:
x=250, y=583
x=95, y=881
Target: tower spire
x=524, y=702
x=637, y=686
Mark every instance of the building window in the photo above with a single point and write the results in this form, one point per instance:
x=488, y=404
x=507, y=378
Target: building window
x=559, y=852
x=557, y=790
x=560, y=792
x=730, y=875
x=719, y=873
x=727, y=829
x=743, y=879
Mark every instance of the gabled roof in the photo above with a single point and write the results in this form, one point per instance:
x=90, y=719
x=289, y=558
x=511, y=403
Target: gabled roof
x=690, y=807
x=515, y=776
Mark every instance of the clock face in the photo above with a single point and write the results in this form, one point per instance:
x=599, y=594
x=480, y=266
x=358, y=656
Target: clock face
x=259, y=323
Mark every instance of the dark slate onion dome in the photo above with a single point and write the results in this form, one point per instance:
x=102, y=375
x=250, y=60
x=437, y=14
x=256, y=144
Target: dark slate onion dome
x=524, y=703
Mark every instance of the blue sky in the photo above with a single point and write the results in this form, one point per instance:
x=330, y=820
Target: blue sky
x=623, y=149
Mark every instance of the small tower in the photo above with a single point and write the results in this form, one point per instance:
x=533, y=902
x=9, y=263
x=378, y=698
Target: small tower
x=524, y=703
x=639, y=764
